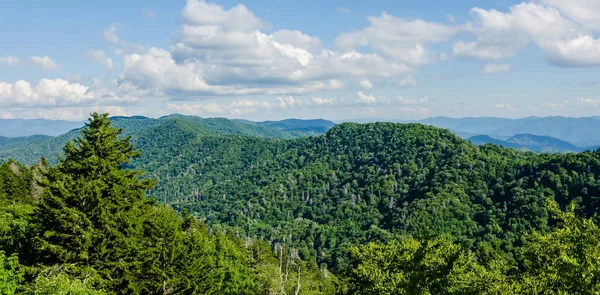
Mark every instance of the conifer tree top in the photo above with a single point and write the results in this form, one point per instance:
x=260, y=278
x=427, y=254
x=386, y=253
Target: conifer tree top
x=98, y=150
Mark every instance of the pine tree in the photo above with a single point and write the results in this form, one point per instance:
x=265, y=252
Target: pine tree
x=91, y=212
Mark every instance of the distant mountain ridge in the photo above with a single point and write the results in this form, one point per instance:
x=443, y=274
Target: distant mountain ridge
x=539, y=134
x=28, y=127
x=581, y=132
x=536, y=143
x=168, y=131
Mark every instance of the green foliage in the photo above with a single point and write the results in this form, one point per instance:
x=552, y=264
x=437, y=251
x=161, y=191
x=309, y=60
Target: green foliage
x=564, y=261
x=11, y=274
x=91, y=230
x=387, y=208
x=409, y=266
x=55, y=280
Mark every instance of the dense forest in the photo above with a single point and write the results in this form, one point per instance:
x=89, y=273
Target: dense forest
x=377, y=208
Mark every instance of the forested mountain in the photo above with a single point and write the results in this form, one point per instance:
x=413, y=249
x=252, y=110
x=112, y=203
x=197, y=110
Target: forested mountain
x=309, y=127
x=581, y=132
x=536, y=143
x=29, y=149
x=377, y=208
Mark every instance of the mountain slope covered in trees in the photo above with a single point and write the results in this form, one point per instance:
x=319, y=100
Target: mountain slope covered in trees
x=29, y=149
x=383, y=208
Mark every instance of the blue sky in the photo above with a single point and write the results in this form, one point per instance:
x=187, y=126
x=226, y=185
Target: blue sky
x=264, y=60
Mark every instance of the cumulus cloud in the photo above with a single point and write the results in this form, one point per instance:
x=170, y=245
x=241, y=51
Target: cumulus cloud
x=45, y=62
x=200, y=13
x=61, y=113
x=245, y=106
x=506, y=107
x=223, y=51
x=9, y=60
x=400, y=39
x=100, y=56
x=57, y=93
x=561, y=30
x=407, y=82
x=584, y=12
x=492, y=68
x=365, y=84
x=370, y=99
x=584, y=102
x=110, y=34
x=366, y=99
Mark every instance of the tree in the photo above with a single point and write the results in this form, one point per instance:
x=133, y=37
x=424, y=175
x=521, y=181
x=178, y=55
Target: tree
x=91, y=212
x=409, y=266
x=11, y=274
x=564, y=261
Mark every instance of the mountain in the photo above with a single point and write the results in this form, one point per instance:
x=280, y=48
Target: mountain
x=581, y=132
x=24, y=127
x=316, y=126
x=347, y=212
x=367, y=182
x=536, y=143
x=166, y=132
x=484, y=139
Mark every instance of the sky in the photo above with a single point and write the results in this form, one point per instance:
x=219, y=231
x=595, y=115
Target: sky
x=270, y=60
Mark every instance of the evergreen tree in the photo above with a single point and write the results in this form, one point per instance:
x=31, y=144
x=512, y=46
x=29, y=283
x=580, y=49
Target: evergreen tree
x=92, y=209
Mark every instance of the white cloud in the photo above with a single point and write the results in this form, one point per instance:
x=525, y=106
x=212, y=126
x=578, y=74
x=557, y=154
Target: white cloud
x=407, y=82
x=404, y=101
x=237, y=18
x=297, y=39
x=9, y=60
x=583, y=51
x=245, y=106
x=366, y=99
x=370, y=99
x=57, y=92
x=556, y=106
x=365, y=84
x=61, y=113
x=584, y=12
x=565, y=42
x=492, y=68
x=45, y=62
x=344, y=10
x=400, y=39
x=223, y=52
x=110, y=34
x=100, y=56
x=584, y=102
x=506, y=107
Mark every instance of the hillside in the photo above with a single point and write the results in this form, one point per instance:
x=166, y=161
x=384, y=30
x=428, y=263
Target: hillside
x=369, y=182
x=407, y=199
x=144, y=131
x=312, y=127
x=355, y=183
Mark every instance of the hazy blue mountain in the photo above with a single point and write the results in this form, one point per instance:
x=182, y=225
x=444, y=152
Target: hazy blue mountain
x=581, y=132
x=314, y=126
x=26, y=127
x=536, y=143
x=485, y=139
